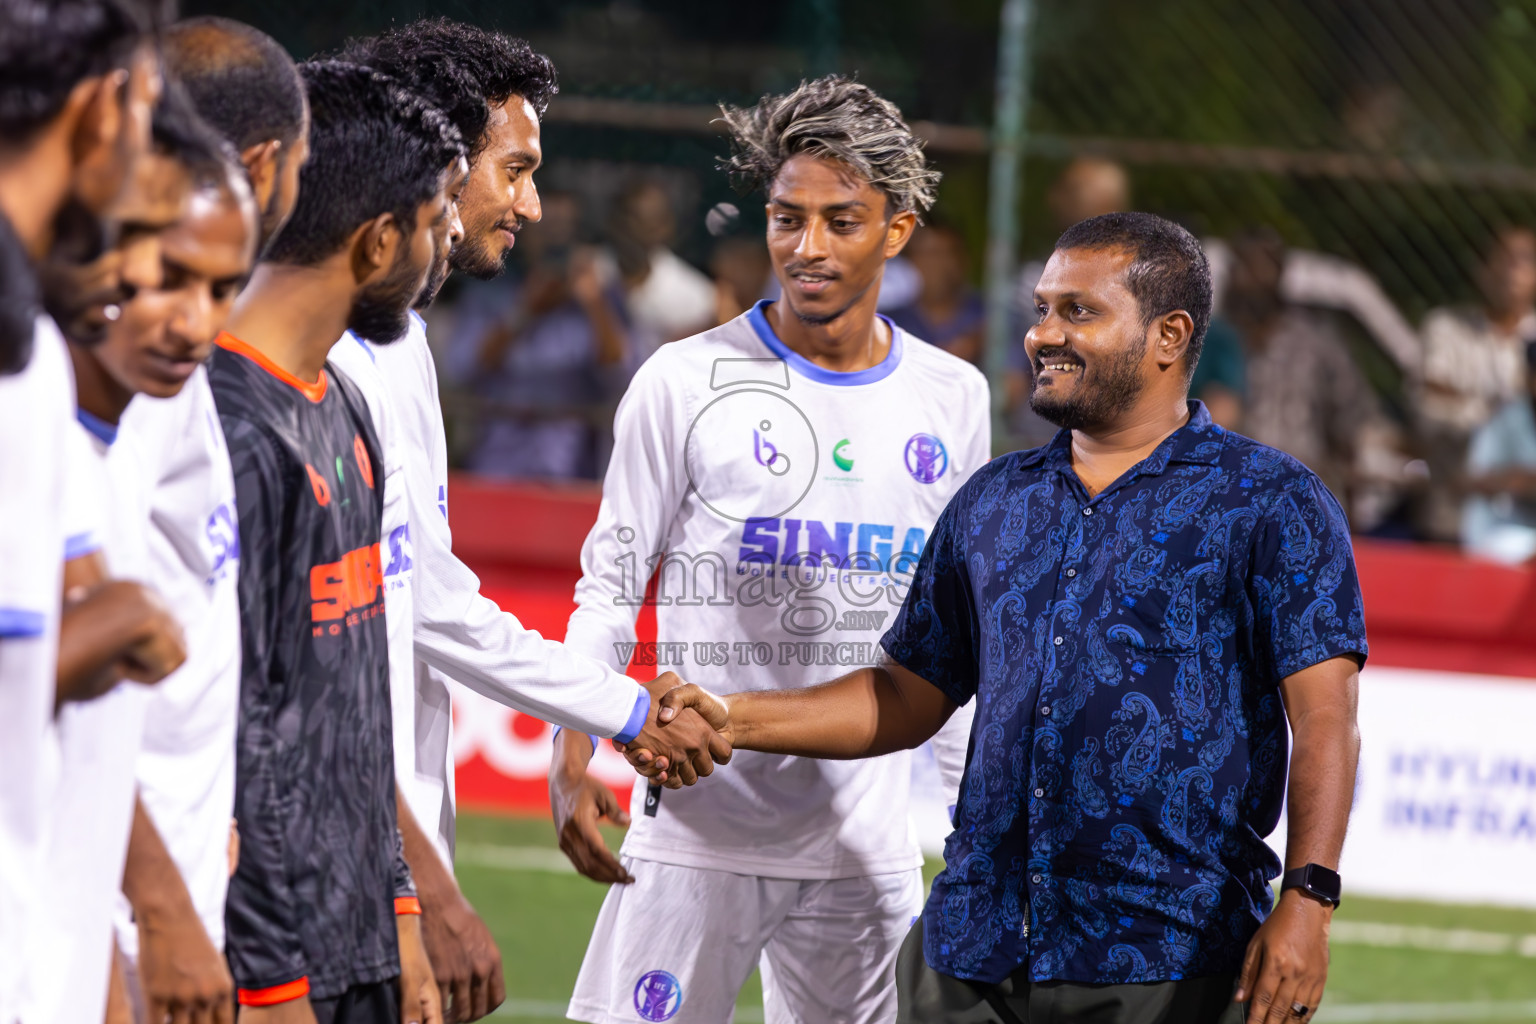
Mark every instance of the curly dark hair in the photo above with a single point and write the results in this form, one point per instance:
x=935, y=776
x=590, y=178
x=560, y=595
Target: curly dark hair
x=834, y=118
x=374, y=148
x=462, y=69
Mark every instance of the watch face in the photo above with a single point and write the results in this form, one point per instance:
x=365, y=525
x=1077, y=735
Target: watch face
x=1315, y=880
x=1323, y=882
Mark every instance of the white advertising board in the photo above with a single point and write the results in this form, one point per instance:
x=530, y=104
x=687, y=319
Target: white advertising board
x=1445, y=803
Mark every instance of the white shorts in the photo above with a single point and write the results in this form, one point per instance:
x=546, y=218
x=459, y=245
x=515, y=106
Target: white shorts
x=678, y=943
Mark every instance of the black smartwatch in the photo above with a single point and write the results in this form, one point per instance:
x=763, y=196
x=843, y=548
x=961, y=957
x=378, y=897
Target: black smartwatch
x=1314, y=880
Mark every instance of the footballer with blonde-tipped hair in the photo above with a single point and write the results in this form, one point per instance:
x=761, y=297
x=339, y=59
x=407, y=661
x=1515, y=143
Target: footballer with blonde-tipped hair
x=781, y=473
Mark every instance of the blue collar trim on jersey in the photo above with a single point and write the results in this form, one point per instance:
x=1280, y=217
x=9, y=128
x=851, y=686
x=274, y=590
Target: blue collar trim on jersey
x=806, y=368
x=104, y=431
x=366, y=347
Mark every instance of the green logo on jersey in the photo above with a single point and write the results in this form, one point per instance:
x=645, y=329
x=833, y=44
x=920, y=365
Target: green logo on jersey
x=844, y=464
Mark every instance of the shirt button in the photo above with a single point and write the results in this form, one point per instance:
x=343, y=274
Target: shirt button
x=1036, y=879
x=1046, y=710
x=1039, y=793
x=1071, y=573
x=1087, y=511
x=1058, y=641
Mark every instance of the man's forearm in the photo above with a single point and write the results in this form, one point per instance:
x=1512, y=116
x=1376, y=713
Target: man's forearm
x=151, y=881
x=434, y=880
x=865, y=713
x=1322, y=786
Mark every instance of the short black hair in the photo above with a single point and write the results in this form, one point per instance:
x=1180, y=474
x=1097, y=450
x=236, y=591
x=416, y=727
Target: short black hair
x=462, y=69
x=20, y=301
x=1168, y=268
x=47, y=47
x=374, y=148
x=179, y=133
x=243, y=82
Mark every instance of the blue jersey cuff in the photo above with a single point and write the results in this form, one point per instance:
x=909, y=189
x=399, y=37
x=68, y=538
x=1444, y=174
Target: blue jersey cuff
x=80, y=545
x=559, y=730
x=19, y=623
x=637, y=717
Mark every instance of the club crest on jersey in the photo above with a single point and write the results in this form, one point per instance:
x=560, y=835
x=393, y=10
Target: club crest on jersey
x=658, y=996
x=926, y=458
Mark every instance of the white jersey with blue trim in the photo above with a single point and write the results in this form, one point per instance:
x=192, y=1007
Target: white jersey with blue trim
x=173, y=450
x=36, y=416
x=355, y=358
x=461, y=635
x=782, y=508
x=92, y=810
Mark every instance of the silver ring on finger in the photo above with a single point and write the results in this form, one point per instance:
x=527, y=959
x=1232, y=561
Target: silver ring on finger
x=1300, y=1009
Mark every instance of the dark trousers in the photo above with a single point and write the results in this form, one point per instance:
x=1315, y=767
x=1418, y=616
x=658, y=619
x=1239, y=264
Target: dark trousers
x=924, y=996
x=378, y=1003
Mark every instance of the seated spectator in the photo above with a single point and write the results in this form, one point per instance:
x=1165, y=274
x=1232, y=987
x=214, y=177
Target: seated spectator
x=665, y=296
x=548, y=365
x=948, y=312
x=742, y=272
x=1499, y=516
x=1304, y=395
x=1473, y=364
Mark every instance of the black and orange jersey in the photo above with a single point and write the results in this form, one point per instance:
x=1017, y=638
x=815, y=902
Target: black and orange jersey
x=312, y=903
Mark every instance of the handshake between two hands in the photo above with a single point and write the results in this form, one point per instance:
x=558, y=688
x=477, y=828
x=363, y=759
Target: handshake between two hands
x=687, y=734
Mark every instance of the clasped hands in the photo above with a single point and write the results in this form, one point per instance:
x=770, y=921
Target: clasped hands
x=687, y=734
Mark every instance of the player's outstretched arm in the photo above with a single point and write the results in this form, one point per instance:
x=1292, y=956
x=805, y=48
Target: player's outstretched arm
x=464, y=957
x=869, y=712
x=682, y=747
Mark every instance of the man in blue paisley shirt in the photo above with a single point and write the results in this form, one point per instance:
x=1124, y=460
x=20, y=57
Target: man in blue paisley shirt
x=1139, y=608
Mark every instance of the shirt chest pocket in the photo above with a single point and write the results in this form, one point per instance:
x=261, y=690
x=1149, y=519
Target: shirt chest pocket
x=1170, y=617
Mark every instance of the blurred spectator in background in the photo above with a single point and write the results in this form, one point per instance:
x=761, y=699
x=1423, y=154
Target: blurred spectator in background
x=1221, y=376
x=1499, y=518
x=666, y=297
x=741, y=269
x=1087, y=187
x=1474, y=362
x=550, y=353
x=1303, y=393
x=948, y=311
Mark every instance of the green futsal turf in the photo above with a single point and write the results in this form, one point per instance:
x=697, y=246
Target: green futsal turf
x=1392, y=961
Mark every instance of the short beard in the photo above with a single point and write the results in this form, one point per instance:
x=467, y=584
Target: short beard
x=436, y=278
x=816, y=319
x=475, y=259
x=1098, y=396
x=381, y=313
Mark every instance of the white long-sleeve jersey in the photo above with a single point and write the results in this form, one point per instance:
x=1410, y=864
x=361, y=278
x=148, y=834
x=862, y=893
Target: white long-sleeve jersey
x=783, y=508
x=174, y=450
x=457, y=634
x=92, y=808
x=36, y=417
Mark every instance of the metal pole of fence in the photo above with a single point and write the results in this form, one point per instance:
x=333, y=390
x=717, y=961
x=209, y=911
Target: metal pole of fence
x=1003, y=198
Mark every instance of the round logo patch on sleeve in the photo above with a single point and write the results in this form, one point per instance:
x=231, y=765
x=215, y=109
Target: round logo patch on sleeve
x=658, y=996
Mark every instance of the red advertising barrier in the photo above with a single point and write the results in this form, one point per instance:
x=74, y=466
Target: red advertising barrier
x=1427, y=608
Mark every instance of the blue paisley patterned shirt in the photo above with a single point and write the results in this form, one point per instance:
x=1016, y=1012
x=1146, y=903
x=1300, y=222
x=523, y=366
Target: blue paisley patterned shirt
x=1129, y=749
